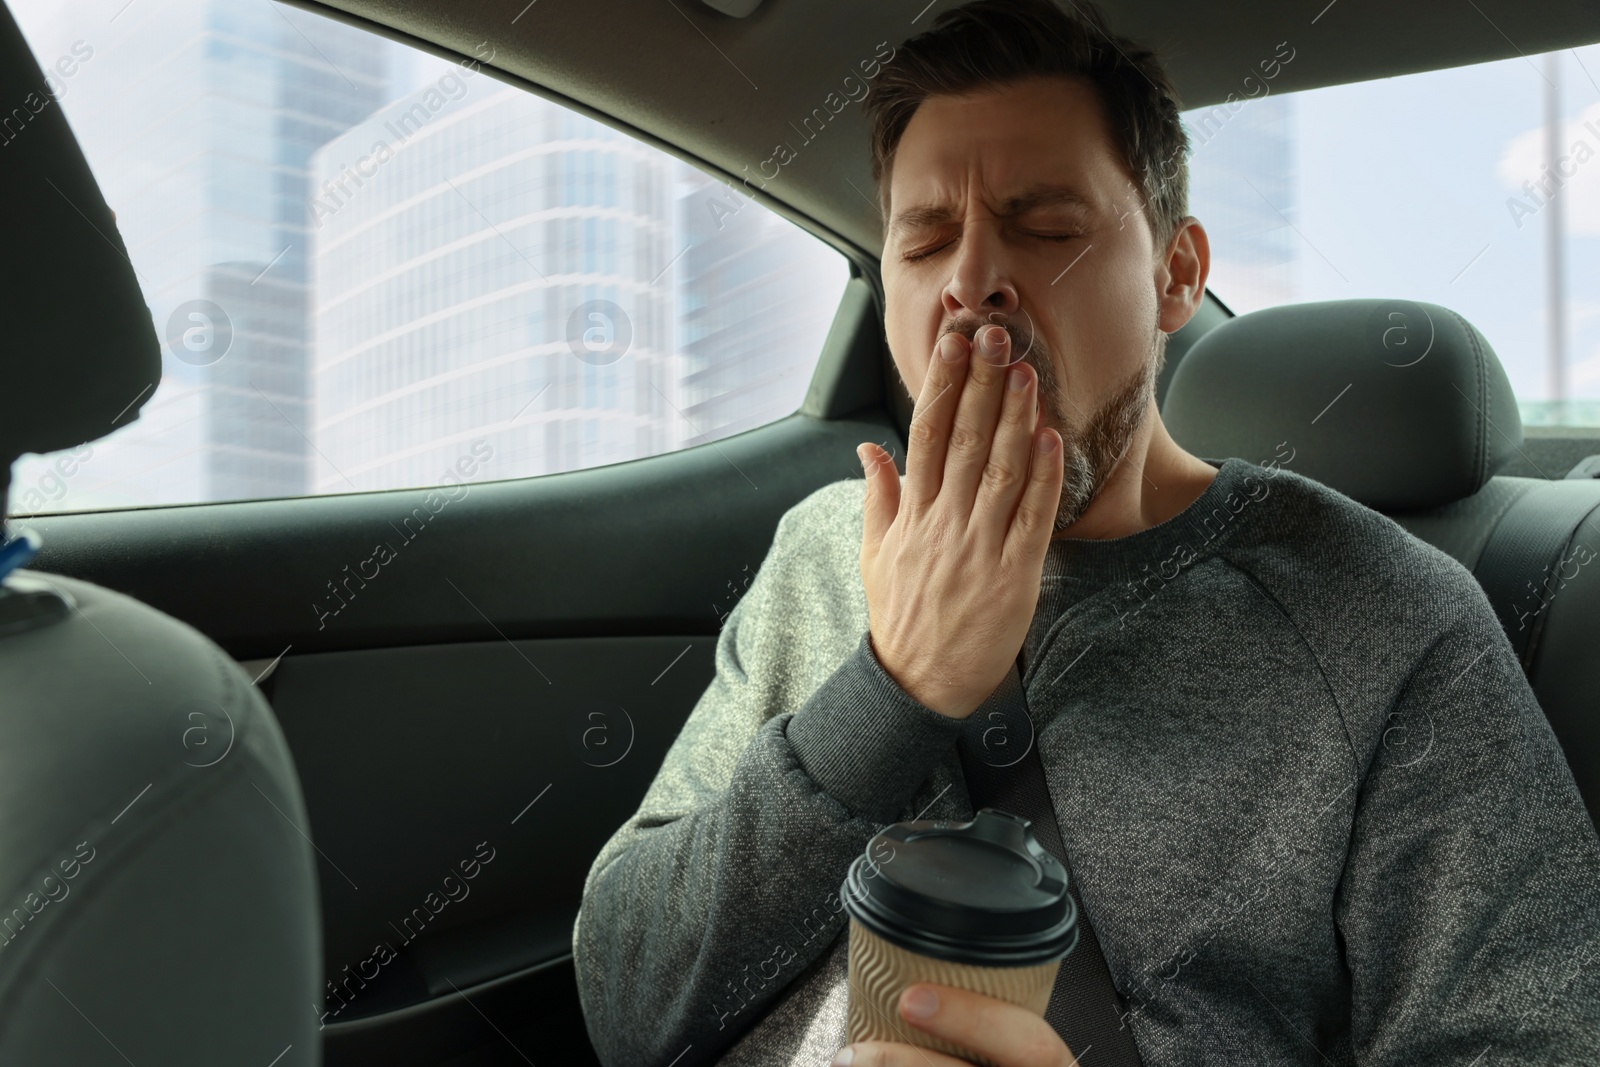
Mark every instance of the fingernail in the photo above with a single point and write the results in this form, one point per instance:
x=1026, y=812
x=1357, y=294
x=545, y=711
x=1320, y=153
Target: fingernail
x=993, y=341
x=861, y=456
x=921, y=1002
x=843, y=1057
x=949, y=348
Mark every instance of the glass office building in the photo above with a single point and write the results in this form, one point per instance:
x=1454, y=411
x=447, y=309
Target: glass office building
x=751, y=285
x=548, y=285
x=199, y=119
x=524, y=297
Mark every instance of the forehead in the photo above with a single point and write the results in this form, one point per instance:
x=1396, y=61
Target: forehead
x=1038, y=131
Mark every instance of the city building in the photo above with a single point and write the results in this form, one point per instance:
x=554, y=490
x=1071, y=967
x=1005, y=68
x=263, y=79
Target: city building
x=489, y=265
x=199, y=118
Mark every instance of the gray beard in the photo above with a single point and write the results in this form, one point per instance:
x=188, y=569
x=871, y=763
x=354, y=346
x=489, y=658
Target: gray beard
x=1092, y=452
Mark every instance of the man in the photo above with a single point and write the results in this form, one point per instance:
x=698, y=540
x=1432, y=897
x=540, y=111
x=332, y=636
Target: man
x=1215, y=660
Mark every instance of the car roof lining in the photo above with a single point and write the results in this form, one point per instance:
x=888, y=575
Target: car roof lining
x=724, y=92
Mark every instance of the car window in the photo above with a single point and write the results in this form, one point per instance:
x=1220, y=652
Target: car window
x=372, y=269
x=1440, y=187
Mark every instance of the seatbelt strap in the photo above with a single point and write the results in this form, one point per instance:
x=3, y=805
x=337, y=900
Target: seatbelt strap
x=1531, y=554
x=1001, y=764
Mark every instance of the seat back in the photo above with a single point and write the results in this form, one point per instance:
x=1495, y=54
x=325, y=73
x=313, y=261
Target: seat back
x=158, y=894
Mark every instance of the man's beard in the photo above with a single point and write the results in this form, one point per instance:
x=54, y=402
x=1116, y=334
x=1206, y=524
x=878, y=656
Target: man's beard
x=1092, y=445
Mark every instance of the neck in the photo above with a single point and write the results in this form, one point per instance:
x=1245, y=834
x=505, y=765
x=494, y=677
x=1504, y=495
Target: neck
x=1154, y=481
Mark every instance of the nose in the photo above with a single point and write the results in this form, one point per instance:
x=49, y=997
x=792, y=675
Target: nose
x=979, y=281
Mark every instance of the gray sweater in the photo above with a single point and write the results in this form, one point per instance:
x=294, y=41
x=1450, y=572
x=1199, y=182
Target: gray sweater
x=1315, y=813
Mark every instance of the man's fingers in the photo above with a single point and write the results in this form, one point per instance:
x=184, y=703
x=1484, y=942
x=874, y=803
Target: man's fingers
x=1036, y=511
x=972, y=436
x=883, y=494
x=928, y=440
x=1008, y=1035
x=1005, y=477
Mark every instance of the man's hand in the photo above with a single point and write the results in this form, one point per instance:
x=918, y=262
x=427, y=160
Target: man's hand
x=951, y=561
x=1008, y=1035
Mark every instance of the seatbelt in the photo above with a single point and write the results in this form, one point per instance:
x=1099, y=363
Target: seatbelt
x=1002, y=767
x=1521, y=568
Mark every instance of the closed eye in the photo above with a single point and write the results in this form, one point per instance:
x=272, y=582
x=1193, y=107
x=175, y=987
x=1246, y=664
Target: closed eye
x=1056, y=237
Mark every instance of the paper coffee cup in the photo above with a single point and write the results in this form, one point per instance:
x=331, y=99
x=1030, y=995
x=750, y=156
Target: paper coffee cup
x=978, y=905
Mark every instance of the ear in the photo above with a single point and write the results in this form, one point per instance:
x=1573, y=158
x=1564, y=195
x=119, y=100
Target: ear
x=1181, y=274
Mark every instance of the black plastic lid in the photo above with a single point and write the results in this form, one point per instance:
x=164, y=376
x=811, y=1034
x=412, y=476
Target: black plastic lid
x=983, y=892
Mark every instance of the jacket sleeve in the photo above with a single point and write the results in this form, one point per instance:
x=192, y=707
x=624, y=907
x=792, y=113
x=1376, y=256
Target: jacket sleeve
x=724, y=885
x=1470, y=903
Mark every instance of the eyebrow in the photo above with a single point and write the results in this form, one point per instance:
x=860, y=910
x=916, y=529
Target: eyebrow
x=1037, y=196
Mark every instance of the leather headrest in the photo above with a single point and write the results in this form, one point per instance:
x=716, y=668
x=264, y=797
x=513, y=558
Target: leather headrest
x=80, y=356
x=1398, y=404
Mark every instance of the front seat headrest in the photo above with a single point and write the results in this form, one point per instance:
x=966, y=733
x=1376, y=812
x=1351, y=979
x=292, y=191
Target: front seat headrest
x=1398, y=404
x=81, y=354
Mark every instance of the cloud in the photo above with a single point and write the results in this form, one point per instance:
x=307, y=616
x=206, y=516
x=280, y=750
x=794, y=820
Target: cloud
x=1523, y=161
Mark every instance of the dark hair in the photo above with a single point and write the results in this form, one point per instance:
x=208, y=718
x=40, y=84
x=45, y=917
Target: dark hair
x=992, y=43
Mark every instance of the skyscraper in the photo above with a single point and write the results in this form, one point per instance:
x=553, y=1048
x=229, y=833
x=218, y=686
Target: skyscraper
x=199, y=118
x=489, y=264
x=758, y=298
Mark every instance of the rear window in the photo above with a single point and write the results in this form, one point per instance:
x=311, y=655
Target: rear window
x=1476, y=188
